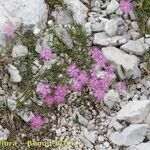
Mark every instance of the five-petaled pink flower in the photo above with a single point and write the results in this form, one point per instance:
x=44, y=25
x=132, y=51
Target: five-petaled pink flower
x=43, y=89
x=46, y=54
x=37, y=122
x=126, y=6
x=9, y=30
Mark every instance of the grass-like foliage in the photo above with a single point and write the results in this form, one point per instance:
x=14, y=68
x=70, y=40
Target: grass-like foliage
x=142, y=11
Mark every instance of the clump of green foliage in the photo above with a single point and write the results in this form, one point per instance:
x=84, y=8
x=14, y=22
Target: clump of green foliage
x=142, y=11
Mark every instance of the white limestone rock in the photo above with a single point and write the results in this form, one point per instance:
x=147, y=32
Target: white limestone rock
x=14, y=74
x=90, y=135
x=148, y=23
x=26, y=12
x=133, y=134
x=98, y=26
x=117, y=40
x=62, y=16
x=137, y=47
x=19, y=51
x=147, y=40
x=86, y=142
x=64, y=36
x=112, y=6
x=111, y=98
x=3, y=133
x=134, y=111
x=119, y=58
x=88, y=29
x=11, y=103
x=101, y=39
x=111, y=27
x=78, y=9
x=82, y=119
x=141, y=146
x=26, y=115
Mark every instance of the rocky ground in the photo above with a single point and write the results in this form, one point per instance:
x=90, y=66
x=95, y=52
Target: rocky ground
x=121, y=121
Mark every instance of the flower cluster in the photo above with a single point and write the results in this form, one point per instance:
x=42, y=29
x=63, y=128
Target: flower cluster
x=58, y=96
x=99, y=86
x=79, y=78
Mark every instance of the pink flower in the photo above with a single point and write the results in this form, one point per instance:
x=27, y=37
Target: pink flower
x=83, y=78
x=73, y=71
x=99, y=95
x=126, y=6
x=76, y=85
x=59, y=99
x=60, y=93
x=46, y=54
x=37, y=122
x=109, y=70
x=98, y=56
x=106, y=82
x=43, y=89
x=95, y=83
x=61, y=90
x=9, y=30
x=49, y=100
x=122, y=85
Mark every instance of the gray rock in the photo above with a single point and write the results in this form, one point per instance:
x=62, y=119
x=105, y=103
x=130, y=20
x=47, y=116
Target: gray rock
x=147, y=40
x=119, y=58
x=117, y=40
x=134, y=111
x=98, y=26
x=141, y=146
x=133, y=134
x=91, y=136
x=19, y=51
x=78, y=9
x=148, y=23
x=137, y=47
x=14, y=74
x=112, y=6
x=111, y=27
x=88, y=28
x=111, y=98
x=11, y=103
x=26, y=115
x=62, y=16
x=17, y=12
x=81, y=119
x=101, y=39
x=86, y=142
x=64, y=36
x=3, y=133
